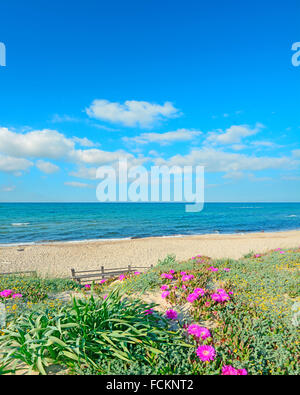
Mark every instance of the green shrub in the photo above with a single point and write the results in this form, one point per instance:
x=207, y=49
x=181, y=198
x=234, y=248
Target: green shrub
x=79, y=334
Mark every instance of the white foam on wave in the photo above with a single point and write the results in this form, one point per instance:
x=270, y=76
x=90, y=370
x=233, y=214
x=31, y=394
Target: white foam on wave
x=33, y=243
x=20, y=224
x=18, y=244
x=247, y=207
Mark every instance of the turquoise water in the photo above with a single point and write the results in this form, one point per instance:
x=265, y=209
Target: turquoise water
x=48, y=222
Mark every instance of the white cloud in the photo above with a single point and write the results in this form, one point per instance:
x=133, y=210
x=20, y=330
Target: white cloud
x=46, y=167
x=232, y=135
x=226, y=162
x=96, y=156
x=235, y=175
x=9, y=164
x=63, y=118
x=296, y=153
x=50, y=144
x=164, y=138
x=291, y=178
x=8, y=188
x=16, y=150
x=102, y=127
x=85, y=142
x=131, y=113
x=238, y=175
x=88, y=173
x=265, y=145
x=76, y=184
x=269, y=144
x=35, y=144
x=153, y=153
x=238, y=147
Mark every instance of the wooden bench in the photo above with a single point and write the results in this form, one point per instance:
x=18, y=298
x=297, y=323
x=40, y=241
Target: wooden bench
x=85, y=276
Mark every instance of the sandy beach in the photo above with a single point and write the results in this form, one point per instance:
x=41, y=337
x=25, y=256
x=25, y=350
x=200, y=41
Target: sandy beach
x=57, y=259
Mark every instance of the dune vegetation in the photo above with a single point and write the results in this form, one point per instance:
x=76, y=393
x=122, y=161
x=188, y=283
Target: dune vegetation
x=199, y=317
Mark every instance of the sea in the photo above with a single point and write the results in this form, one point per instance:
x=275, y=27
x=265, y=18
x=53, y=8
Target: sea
x=35, y=223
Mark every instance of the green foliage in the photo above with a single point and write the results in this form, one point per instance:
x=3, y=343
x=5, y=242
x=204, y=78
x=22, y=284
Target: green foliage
x=5, y=368
x=36, y=289
x=254, y=330
x=79, y=334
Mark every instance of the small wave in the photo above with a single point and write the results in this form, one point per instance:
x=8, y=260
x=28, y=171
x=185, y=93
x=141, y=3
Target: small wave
x=247, y=207
x=18, y=244
x=291, y=216
x=20, y=224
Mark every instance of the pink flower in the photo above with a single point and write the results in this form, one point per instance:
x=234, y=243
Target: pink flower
x=226, y=269
x=213, y=269
x=206, y=304
x=204, y=333
x=224, y=297
x=103, y=281
x=193, y=330
x=6, y=293
x=187, y=277
x=166, y=275
x=148, y=312
x=199, y=331
x=164, y=287
x=242, y=372
x=192, y=297
x=199, y=291
x=172, y=271
x=220, y=296
x=122, y=277
x=105, y=296
x=182, y=273
x=206, y=353
x=165, y=294
x=216, y=297
x=228, y=370
x=17, y=296
x=87, y=286
x=183, y=287
x=171, y=314
x=137, y=273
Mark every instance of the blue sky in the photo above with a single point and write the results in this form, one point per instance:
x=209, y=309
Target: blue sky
x=161, y=82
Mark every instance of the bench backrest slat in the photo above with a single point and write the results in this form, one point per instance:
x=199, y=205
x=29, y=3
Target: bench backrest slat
x=85, y=275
